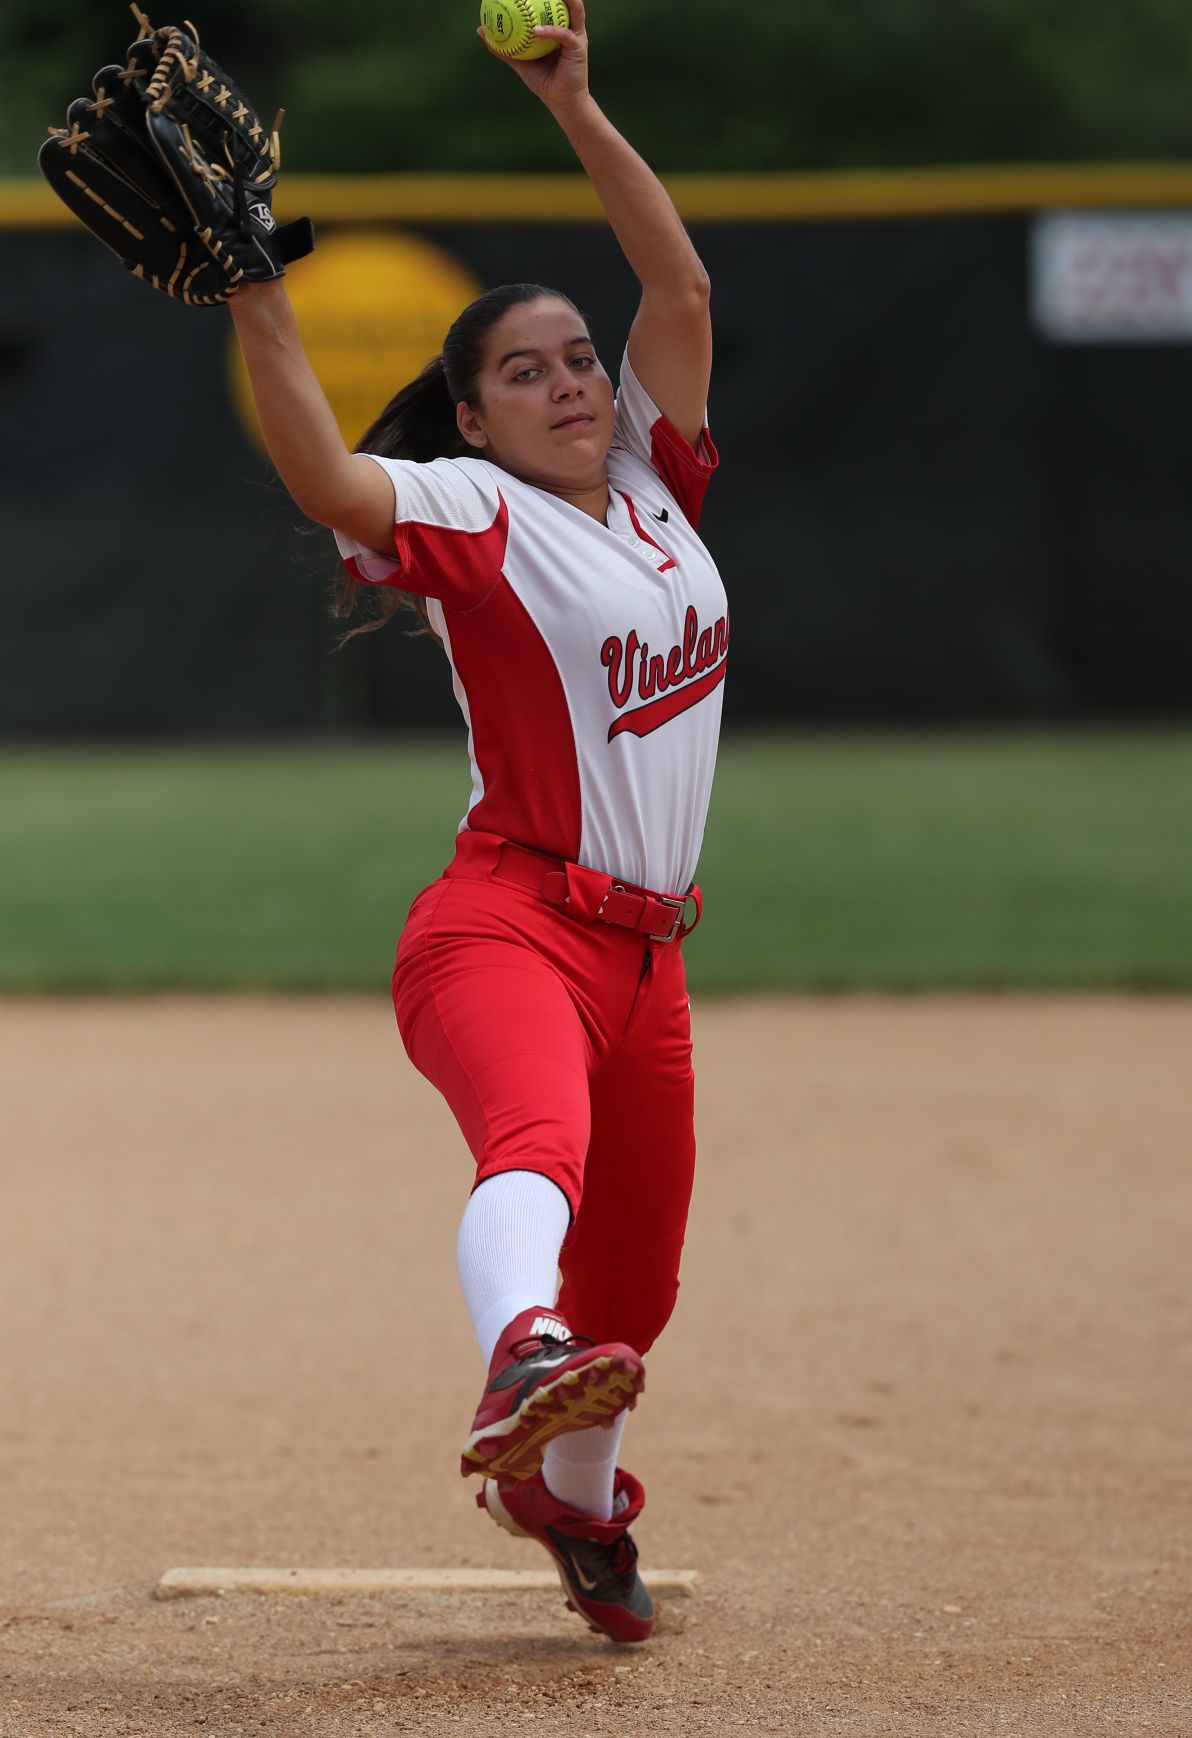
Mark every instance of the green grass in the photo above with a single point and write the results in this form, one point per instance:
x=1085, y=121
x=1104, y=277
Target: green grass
x=887, y=863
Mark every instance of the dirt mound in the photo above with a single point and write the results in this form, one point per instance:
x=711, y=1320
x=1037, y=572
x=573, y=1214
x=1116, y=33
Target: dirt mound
x=921, y=1420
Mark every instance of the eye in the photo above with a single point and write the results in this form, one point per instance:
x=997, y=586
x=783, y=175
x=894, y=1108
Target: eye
x=583, y=362
x=525, y=373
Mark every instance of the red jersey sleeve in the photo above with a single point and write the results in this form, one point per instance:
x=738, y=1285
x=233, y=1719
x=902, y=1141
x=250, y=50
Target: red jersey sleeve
x=644, y=431
x=449, y=533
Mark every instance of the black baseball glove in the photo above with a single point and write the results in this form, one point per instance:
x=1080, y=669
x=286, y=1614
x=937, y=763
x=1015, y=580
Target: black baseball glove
x=167, y=163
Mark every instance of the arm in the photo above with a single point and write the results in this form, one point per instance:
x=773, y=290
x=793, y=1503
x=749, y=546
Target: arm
x=329, y=484
x=670, y=343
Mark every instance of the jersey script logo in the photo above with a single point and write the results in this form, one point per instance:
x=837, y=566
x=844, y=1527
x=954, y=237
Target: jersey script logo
x=670, y=682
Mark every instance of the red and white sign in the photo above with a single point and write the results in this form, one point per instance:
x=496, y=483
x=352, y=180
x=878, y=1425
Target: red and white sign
x=1112, y=278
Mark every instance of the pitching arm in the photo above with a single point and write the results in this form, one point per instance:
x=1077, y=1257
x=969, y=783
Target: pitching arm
x=670, y=344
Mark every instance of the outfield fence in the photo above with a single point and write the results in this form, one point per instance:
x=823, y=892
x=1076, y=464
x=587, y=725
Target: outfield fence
x=937, y=502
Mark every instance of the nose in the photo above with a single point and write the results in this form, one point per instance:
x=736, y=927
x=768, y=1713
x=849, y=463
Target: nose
x=565, y=384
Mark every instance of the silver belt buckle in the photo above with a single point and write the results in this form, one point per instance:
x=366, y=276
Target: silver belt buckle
x=680, y=906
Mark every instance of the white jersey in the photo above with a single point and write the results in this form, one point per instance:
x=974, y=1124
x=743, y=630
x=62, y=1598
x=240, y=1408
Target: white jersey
x=588, y=659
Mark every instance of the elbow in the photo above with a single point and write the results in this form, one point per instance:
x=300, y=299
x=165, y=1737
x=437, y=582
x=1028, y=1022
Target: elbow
x=690, y=289
x=695, y=292
x=693, y=289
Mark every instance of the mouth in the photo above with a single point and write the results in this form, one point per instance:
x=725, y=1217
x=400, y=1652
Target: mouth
x=573, y=421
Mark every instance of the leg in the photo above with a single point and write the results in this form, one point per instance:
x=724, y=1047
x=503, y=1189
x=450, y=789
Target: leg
x=621, y=1261
x=494, y=1025
x=507, y=1252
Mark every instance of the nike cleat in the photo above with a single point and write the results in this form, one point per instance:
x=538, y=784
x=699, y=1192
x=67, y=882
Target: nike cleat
x=596, y=1560
x=543, y=1382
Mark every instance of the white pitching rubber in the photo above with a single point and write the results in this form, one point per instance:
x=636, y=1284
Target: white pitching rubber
x=189, y=1583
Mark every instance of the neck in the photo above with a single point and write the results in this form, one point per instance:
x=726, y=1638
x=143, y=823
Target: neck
x=593, y=502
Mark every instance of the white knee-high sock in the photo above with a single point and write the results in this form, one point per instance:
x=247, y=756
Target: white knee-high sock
x=579, y=1468
x=508, y=1248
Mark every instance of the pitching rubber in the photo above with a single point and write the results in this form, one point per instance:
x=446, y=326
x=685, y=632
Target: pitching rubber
x=196, y=1583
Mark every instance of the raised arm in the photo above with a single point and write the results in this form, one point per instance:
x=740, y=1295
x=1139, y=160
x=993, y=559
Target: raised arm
x=670, y=344
x=328, y=483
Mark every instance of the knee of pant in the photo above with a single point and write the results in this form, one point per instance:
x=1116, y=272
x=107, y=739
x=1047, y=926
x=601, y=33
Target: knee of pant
x=647, y=1321
x=563, y=1171
x=551, y=1147
x=634, y=1315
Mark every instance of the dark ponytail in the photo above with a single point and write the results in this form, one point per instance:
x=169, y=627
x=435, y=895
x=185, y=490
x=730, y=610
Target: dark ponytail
x=419, y=423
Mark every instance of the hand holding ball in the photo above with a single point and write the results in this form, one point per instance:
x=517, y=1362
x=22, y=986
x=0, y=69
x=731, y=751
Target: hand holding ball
x=508, y=26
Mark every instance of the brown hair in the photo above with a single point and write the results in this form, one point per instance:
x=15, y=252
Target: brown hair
x=419, y=423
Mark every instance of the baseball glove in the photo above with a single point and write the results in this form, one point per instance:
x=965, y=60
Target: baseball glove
x=169, y=166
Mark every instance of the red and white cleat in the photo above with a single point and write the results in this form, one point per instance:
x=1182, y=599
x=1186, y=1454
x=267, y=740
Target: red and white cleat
x=543, y=1382
x=596, y=1560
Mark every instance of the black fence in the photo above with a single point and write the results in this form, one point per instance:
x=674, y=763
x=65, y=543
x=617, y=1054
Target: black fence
x=924, y=512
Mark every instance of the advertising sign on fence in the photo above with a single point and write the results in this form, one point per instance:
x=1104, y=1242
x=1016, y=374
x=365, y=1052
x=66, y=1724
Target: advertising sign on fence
x=1112, y=277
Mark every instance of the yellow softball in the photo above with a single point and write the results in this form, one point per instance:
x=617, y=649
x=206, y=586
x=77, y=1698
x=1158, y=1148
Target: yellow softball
x=508, y=26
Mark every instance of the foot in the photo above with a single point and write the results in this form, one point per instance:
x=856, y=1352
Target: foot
x=543, y=1382
x=596, y=1560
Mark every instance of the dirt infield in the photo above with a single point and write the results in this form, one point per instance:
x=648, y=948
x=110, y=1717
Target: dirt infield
x=922, y=1421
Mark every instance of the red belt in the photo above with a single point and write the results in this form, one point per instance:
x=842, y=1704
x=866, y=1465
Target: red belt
x=588, y=893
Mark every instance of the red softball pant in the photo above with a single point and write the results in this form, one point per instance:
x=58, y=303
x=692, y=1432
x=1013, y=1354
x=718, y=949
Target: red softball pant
x=562, y=1047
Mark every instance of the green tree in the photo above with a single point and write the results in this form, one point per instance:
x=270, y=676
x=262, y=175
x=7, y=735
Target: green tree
x=699, y=87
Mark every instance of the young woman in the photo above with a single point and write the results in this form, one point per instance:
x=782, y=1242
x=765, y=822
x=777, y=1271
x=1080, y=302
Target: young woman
x=547, y=532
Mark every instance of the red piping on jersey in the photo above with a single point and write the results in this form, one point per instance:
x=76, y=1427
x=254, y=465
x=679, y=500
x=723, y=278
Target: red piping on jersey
x=644, y=534
x=643, y=719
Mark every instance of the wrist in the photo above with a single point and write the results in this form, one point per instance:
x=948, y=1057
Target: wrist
x=262, y=301
x=572, y=112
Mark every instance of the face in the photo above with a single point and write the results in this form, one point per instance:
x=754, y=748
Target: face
x=545, y=405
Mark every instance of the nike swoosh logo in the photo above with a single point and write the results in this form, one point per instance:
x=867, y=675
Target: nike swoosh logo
x=662, y=517
x=588, y=1586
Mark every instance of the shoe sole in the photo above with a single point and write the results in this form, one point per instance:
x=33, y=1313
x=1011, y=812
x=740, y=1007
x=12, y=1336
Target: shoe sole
x=579, y=1399
x=501, y=1515
x=596, y=1628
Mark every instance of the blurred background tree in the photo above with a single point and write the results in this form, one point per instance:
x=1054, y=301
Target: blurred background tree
x=705, y=86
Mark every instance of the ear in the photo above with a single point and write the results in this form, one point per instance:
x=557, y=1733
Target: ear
x=469, y=425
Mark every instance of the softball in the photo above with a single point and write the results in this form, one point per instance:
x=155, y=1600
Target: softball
x=508, y=26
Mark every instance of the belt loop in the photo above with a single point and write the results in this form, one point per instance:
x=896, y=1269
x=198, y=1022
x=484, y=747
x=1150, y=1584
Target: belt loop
x=586, y=890
x=476, y=853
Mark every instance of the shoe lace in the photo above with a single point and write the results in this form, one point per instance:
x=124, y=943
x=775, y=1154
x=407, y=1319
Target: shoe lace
x=535, y=1344
x=622, y=1559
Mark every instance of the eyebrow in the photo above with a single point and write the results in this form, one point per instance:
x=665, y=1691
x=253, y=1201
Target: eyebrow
x=566, y=345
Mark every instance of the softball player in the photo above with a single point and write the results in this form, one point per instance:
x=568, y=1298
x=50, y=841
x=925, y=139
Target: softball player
x=552, y=548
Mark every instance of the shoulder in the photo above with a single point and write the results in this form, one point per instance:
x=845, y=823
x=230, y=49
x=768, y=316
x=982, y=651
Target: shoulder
x=452, y=492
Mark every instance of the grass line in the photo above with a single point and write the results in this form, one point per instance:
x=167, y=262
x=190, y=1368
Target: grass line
x=932, y=863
